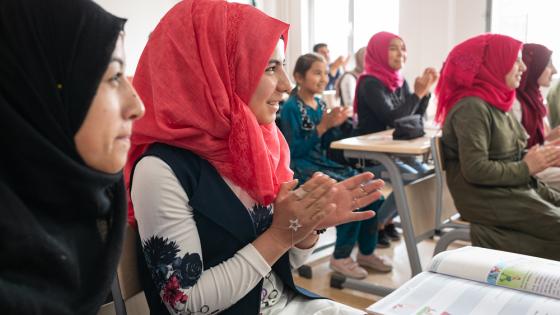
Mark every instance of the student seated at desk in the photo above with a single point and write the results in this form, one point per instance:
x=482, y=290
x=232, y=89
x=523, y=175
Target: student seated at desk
x=220, y=225
x=489, y=176
x=66, y=113
x=529, y=108
x=307, y=126
x=382, y=96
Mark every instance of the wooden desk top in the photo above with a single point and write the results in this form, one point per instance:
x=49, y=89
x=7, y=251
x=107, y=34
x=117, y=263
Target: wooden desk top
x=383, y=142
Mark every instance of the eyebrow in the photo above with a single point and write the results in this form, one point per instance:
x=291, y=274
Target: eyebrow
x=119, y=60
x=275, y=61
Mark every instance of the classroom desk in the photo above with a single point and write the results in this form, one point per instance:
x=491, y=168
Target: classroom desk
x=381, y=147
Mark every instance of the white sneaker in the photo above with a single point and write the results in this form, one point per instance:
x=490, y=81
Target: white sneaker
x=374, y=262
x=348, y=267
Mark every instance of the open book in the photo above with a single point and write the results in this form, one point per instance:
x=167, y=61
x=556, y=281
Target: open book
x=474, y=280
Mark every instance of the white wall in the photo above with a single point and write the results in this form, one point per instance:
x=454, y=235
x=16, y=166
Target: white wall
x=430, y=29
x=143, y=16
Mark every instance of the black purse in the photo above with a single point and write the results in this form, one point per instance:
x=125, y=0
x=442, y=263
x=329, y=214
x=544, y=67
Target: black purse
x=408, y=127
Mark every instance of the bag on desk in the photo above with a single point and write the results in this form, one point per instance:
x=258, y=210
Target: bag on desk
x=408, y=127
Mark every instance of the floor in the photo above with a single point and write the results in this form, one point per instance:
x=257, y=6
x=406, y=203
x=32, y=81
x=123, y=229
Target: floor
x=320, y=283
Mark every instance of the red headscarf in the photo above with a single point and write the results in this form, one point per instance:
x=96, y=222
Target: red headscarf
x=196, y=76
x=377, y=63
x=536, y=58
x=477, y=67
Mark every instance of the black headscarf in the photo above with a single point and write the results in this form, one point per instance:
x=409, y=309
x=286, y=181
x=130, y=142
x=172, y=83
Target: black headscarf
x=61, y=222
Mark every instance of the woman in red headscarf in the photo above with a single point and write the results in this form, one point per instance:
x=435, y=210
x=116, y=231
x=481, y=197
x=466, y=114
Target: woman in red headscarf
x=383, y=96
x=213, y=197
x=529, y=107
x=488, y=172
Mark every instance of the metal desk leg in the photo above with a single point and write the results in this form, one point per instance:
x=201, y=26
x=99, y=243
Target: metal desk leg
x=402, y=204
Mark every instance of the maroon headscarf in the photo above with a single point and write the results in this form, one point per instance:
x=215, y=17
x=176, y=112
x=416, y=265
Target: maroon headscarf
x=536, y=57
x=477, y=67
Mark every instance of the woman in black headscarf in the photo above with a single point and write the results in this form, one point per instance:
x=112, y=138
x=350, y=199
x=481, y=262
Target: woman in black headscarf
x=66, y=112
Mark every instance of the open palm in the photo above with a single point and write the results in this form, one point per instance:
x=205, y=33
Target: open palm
x=353, y=193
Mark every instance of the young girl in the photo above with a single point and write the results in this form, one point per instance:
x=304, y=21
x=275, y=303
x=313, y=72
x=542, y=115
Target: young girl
x=308, y=128
x=382, y=96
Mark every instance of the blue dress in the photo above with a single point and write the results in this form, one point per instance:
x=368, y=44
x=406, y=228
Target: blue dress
x=298, y=123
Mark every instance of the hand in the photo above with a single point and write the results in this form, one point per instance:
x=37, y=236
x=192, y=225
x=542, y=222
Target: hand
x=332, y=118
x=553, y=135
x=353, y=193
x=298, y=212
x=539, y=158
x=340, y=61
x=423, y=83
x=432, y=75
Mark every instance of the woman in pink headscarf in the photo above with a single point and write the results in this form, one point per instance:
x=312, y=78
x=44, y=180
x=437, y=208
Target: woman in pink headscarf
x=219, y=221
x=529, y=107
x=382, y=96
x=489, y=175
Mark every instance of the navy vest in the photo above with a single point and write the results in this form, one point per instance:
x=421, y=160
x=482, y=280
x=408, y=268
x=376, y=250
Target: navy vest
x=223, y=224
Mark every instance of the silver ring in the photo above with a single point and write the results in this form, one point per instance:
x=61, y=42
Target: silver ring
x=363, y=189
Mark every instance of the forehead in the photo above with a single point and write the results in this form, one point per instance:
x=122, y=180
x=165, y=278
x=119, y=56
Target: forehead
x=318, y=64
x=278, y=53
x=119, y=48
x=396, y=42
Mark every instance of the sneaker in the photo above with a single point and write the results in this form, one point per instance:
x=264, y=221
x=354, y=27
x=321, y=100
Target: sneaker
x=374, y=262
x=392, y=233
x=348, y=267
x=383, y=240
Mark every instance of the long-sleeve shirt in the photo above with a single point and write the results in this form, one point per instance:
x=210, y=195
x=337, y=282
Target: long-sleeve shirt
x=348, y=88
x=166, y=225
x=491, y=184
x=378, y=107
x=307, y=149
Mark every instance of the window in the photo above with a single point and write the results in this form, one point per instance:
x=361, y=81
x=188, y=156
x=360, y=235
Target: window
x=528, y=21
x=345, y=33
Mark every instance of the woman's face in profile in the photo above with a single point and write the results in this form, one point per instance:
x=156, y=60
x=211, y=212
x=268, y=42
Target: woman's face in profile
x=103, y=139
x=274, y=82
x=397, y=54
x=513, y=77
x=546, y=76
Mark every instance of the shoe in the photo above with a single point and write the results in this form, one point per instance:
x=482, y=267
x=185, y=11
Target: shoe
x=348, y=267
x=392, y=233
x=383, y=240
x=374, y=262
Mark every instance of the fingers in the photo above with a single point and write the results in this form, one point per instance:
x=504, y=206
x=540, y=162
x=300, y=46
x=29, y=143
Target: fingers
x=286, y=187
x=318, y=193
x=364, y=201
x=355, y=181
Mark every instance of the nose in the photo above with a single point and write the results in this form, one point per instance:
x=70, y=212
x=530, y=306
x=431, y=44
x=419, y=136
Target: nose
x=284, y=85
x=522, y=67
x=134, y=108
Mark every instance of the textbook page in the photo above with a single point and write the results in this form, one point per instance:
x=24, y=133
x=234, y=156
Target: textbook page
x=526, y=273
x=435, y=294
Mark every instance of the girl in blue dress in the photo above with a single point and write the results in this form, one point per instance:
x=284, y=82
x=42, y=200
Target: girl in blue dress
x=309, y=127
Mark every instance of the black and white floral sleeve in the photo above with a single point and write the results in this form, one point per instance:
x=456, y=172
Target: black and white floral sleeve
x=172, y=248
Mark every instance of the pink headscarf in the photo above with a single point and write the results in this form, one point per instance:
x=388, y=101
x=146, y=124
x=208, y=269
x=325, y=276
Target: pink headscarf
x=377, y=64
x=196, y=76
x=477, y=67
